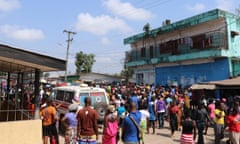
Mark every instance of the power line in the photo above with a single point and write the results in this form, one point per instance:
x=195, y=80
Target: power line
x=144, y=5
x=150, y=6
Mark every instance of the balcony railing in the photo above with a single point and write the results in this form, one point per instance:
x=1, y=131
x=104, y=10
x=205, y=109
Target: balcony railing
x=203, y=43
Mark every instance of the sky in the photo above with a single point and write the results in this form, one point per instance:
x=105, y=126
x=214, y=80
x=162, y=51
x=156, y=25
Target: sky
x=100, y=25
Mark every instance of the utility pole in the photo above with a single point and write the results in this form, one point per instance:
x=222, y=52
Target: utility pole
x=69, y=40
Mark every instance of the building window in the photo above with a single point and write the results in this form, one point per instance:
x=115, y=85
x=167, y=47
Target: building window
x=172, y=46
x=159, y=48
x=164, y=48
x=139, y=78
x=169, y=47
x=151, y=51
x=208, y=42
x=188, y=41
x=198, y=41
x=143, y=52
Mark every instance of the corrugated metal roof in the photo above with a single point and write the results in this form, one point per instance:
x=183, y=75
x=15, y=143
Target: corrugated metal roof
x=203, y=86
x=19, y=60
x=228, y=82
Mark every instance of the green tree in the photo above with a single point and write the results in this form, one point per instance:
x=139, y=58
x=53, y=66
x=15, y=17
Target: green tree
x=146, y=29
x=116, y=75
x=127, y=73
x=84, y=62
x=46, y=74
x=3, y=73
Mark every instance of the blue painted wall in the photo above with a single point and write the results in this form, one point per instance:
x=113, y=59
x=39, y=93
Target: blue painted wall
x=186, y=75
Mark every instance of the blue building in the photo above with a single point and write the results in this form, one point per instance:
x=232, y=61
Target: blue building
x=202, y=48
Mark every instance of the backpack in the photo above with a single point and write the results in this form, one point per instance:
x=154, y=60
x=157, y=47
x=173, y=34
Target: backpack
x=200, y=117
x=160, y=105
x=194, y=114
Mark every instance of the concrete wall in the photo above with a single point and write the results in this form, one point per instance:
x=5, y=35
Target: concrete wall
x=148, y=75
x=21, y=132
x=186, y=75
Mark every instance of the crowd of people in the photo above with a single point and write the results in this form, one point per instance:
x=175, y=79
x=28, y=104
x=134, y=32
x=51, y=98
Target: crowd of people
x=23, y=99
x=184, y=111
x=136, y=111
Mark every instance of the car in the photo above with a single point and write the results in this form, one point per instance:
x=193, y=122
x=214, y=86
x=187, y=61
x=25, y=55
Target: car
x=66, y=95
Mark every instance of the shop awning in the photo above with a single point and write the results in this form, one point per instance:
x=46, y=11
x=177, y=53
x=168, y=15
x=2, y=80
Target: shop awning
x=228, y=82
x=203, y=86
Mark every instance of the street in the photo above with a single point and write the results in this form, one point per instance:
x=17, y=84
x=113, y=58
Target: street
x=162, y=136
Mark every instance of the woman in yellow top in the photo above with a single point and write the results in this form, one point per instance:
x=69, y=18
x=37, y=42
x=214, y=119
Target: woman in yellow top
x=219, y=122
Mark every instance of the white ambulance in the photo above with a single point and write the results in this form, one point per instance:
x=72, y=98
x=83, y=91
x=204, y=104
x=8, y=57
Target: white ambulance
x=66, y=95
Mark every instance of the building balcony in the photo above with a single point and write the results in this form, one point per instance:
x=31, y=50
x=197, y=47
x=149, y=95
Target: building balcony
x=205, y=45
x=168, y=58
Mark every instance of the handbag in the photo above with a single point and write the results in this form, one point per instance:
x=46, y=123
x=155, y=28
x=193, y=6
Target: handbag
x=140, y=132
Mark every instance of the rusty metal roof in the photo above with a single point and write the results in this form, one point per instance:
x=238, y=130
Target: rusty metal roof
x=212, y=85
x=203, y=86
x=19, y=60
x=228, y=82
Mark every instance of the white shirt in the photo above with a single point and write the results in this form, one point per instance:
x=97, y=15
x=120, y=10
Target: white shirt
x=145, y=114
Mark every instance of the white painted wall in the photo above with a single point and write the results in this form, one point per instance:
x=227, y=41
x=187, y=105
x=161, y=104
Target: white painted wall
x=148, y=74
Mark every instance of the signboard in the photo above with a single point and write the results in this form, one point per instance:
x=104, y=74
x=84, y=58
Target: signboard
x=97, y=94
